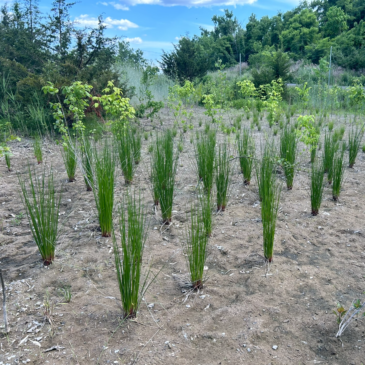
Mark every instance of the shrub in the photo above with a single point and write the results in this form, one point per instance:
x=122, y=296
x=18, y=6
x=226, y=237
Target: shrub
x=42, y=207
x=103, y=188
x=246, y=151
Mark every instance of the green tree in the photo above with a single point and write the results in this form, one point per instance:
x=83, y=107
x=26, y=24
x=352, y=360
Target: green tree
x=336, y=21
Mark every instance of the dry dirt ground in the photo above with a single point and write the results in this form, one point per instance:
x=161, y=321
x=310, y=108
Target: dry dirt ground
x=240, y=317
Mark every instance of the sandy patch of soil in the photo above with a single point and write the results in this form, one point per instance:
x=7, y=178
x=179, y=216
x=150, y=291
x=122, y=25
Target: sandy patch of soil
x=239, y=317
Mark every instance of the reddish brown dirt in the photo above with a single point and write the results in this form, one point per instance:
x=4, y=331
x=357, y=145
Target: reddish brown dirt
x=239, y=315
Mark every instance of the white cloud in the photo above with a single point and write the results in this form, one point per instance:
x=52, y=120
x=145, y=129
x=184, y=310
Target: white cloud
x=85, y=20
x=136, y=40
x=119, y=6
x=192, y=3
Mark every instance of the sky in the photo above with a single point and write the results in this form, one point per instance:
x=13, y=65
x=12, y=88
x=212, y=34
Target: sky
x=155, y=25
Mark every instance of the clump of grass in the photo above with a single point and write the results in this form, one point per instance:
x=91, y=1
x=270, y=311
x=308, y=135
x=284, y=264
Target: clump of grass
x=338, y=174
x=354, y=142
x=205, y=154
x=206, y=210
x=87, y=164
x=42, y=206
x=222, y=176
x=103, y=188
x=133, y=233
x=124, y=142
x=265, y=170
x=180, y=146
x=330, y=148
x=288, y=151
x=246, y=151
x=7, y=160
x=196, y=248
x=317, y=175
x=270, y=190
x=330, y=126
x=363, y=148
x=137, y=146
x=69, y=159
x=145, y=136
x=37, y=147
x=164, y=165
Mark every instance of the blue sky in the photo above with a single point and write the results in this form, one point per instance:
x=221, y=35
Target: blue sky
x=153, y=25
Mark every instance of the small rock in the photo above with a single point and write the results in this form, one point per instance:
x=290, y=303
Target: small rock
x=151, y=305
x=248, y=349
x=275, y=347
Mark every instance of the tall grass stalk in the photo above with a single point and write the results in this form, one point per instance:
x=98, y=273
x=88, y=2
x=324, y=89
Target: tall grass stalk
x=206, y=210
x=317, y=175
x=42, y=206
x=70, y=160
x=354, y=142
x=265, y=170
x=330, y=149
x=270, y=190
x=37, y=147
x=288, y=151
x=124, y=143
x=137, y=146
x=133, y=233
x=338, y=174
x=87, y=163
x=103, y=188
x=196, y=248
x=7, y=160
x=222, y=176
x=204, y=155
x=246, y=151
x=164, y=165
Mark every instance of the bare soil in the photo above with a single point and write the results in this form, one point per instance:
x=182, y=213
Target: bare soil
x=242, y=316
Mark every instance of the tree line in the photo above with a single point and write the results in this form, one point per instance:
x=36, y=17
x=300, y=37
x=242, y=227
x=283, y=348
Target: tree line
x=305, y=33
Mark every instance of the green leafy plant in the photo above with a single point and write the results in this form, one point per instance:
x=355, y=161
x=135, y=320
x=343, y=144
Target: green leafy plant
x=288, y=150
x=103, y=188
x=204, y=155
x=222, y=176
x=246, y=151
x=42, y=206
x=133, y=233
x=196, y=248
x=308, y=133
x=37, y=147
x=338, y=174
x=164, y=165
x=69, y=159
x=354, y=142
x=316, y=188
